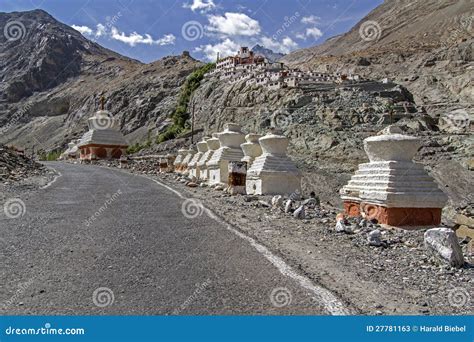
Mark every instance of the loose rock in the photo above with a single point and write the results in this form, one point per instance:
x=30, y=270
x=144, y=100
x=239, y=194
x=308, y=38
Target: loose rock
x=444, y=245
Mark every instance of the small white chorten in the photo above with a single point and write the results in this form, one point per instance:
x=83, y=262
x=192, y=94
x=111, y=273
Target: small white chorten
x=104, y=139
x=391, y=188
x=230, y=140
x=212, y=145
x=251, y=148
x=72, y=151
x=273, y=173
x=187, y=158
x=179, y=160
x=194, y=169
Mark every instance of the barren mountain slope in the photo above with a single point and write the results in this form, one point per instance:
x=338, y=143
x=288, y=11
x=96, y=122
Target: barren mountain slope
x=426, y=45
x=52, y=79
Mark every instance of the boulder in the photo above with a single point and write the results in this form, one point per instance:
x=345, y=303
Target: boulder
x=277, y=201
x=444, y=245
x=288, y=206
x=312, y=202
x=299, y=213
x=343, y=226
x=374, y=238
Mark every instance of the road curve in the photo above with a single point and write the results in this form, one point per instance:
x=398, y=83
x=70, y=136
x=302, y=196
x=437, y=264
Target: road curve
x=101, y=241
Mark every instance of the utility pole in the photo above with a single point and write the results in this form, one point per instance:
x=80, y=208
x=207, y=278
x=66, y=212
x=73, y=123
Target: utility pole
x=192, y=125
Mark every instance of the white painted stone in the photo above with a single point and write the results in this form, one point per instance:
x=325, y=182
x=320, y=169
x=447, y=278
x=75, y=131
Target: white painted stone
x=391, y=179
x=230, y=140
x=443, y=243
x=299, y=213
x=273, y=173
x=194, y=169
x=277, y=201
x=251, y=148
x=212, y=145
x=179, y=159
x=374, y=238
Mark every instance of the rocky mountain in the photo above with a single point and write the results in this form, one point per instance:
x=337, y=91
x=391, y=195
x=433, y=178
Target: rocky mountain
x=53, y=77
x=428, y=92
x=267, y=53
x=425, y=45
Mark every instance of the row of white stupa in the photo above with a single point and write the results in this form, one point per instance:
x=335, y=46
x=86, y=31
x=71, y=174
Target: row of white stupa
x=391, y=188
x=269, y=170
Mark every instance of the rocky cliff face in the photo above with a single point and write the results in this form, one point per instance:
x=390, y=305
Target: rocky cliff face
x=424, y=45
x=271, y=55
x=53, y=77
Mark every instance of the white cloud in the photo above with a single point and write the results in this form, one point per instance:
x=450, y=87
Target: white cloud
x=101, y=30
x=225, y=48
x=314, y=32
x=233, y=24
x=83, y=29
x=167, y=39
x=300, y=36
x=310, y=20
x=200, y=5
x=134, y=38
x=285, y=46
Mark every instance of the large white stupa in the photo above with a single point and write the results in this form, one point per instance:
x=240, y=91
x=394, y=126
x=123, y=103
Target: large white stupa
x=391, y=188
x=273, y=172
x=103, y=140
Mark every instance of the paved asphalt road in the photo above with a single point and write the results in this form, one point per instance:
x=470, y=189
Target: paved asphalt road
x=141, y=247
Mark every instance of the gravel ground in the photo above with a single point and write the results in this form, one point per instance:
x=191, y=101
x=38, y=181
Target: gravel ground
x=399, y=277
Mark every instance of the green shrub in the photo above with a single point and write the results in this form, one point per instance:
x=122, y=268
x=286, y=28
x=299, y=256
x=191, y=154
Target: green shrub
x=49, y=156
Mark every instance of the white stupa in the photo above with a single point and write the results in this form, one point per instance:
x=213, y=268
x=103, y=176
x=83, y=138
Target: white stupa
x=273, y=173
x=230, y=140
x=251, y=148
x=391, y=187
x=186, y=160
x=212, y=145
x=194, y=169
x=179, y=160
x=103, y=140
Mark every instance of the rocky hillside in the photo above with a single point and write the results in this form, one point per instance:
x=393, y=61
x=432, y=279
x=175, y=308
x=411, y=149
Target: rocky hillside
x=271, y=55
x=53, y=77
x=425, y=45
x=15, y=166
x=424, y=48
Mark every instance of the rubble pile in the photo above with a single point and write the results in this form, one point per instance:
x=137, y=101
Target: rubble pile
x=14, y=166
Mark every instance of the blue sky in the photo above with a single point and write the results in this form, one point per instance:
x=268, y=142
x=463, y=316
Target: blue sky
x=148, y=30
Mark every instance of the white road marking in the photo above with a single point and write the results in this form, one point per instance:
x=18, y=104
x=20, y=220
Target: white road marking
x=330, y=302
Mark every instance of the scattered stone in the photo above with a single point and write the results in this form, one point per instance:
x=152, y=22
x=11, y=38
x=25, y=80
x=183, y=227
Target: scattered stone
x=311, y=202
x=444, y=245
x=299, y=213
x=277, y=201
x=264, y=203
x=375, y=238
x=288, y=206
x=464, y=220
x=192, y=185
x=342, y=226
